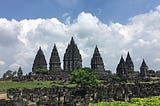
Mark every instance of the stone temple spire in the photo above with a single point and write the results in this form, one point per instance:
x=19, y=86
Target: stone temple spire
x=72, y=41
x=97, y=61
x=39, y=61
x=72, y=58
x=122, y=70
x=20, y=73
x=55, y=64
x=129, y=63
x=143, y=69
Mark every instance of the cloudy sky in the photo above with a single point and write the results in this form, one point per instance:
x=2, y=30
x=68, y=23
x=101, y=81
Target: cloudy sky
x=116, y=26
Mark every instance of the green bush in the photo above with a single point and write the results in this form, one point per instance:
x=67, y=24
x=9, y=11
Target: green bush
x=151, y=101
x=84, y=77
x=41, y=71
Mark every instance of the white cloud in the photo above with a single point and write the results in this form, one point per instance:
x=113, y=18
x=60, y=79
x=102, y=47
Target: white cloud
x=20, y=40
x=2, y=63
x=14, y=66
x=157, y=60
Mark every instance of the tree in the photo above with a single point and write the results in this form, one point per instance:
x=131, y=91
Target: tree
x=40, y=71
x=9, y=74
x=84, y=77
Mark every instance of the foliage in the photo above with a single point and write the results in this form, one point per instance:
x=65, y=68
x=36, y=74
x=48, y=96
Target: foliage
x=117, y=79
x=4, y=85
x=9, y=74
x=151, y=101
x=115, y=103
x=41, y=71
x=84, y=77
x=63, y=84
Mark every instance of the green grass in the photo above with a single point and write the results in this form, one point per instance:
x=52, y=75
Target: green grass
x=61, y=84
x=4, y=85
x=151, y=101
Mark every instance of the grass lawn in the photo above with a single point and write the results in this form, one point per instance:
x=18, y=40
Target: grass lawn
x=4, y=85
x=66, y=84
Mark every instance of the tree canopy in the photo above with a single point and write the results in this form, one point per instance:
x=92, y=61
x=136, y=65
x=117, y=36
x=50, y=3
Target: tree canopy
x=9, y=74
x=84, y=77
x=40, y=71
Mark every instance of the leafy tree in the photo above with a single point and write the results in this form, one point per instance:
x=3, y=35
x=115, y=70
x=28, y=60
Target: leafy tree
x=84, y=77
x=9, y=74
x=117, y=79
x=41, y=71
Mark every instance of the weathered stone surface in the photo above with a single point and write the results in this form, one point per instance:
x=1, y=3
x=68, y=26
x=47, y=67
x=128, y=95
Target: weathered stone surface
x=78, y=96
x=143, y=69
x=72, y=57
x=39, y=61
x=129, y=63
x=20, y=74
x=122, y=70
x=97, y=61
x=54, y=64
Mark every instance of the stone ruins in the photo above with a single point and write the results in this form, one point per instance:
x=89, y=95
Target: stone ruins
x=126, y=83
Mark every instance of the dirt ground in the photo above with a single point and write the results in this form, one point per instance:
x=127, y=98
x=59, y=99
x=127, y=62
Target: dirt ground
x=3, y=96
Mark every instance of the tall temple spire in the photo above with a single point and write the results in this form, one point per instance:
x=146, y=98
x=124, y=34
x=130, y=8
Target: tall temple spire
x=122, y=70
x=143, y=69
x=72, y=58
x=20, y=73
x=97, y=61
x=72, y=41
x=39, y=61
x=129, y=63
x=55, y=64
x=144, y=64
x=122, y=62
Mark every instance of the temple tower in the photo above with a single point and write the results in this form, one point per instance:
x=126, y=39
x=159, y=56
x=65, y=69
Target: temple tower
x=143, y=69
x=129, y=64
x=97, y=61
x=54, y=64
x=39, y=61
x=20, y=73
x=122, y=70
x=72, y=58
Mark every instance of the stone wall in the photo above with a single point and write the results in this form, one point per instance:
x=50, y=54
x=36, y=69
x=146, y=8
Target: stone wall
x=83, y=96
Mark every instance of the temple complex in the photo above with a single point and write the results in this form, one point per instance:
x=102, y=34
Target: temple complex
x=72, y=60
x=123, y=85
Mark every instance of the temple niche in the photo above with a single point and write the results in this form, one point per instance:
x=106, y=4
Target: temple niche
x=72, y=58
x=39, y=61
